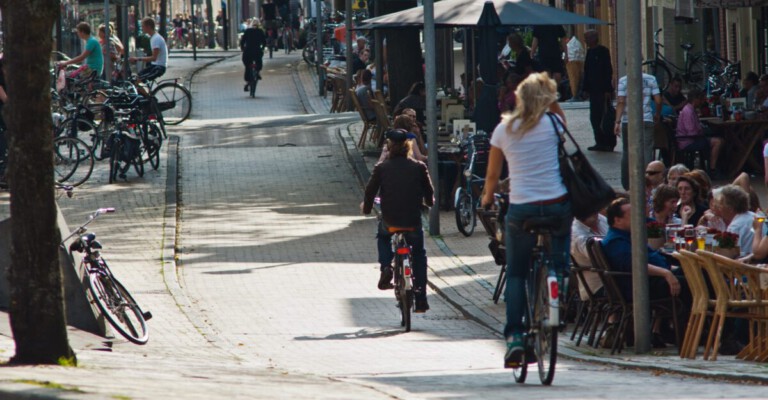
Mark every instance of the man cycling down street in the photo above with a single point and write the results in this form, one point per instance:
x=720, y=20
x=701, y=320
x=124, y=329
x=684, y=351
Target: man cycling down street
x=269, y=15
x=403, y=185
x=159, y=57
x=252, y=44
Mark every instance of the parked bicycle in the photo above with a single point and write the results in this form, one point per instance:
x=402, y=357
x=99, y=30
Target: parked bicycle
x=467, y=197
x=543, y=300
x=111, y=297
x=693, y=71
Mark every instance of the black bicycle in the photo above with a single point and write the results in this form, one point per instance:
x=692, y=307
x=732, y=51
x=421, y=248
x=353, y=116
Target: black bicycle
x=403, y=275
x=542, y=309
x=111, y=297
x=253, y=77
x=695, y=71
x=467, y=197
x=125, y=146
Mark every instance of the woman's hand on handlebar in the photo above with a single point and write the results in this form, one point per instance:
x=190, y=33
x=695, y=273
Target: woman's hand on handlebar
x=488, y=199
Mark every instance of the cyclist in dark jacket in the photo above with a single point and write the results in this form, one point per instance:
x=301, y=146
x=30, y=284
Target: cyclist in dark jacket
x=404, y=186
x=252, y=44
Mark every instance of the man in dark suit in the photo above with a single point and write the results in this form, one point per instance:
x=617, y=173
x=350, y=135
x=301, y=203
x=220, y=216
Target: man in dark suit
x=598, y=82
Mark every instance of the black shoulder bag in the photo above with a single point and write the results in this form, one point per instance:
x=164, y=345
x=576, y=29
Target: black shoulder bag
x=589, y=193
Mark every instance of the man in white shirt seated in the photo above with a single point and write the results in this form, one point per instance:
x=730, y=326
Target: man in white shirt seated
x=581, y=230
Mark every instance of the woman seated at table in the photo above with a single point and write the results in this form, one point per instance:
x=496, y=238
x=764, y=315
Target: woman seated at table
x=404, y=123
x=665, y=204
x=415, y=128
x=507, y=92
x=690, y=133
x=690, y=208
x=673, y=99
x=675, y=172
x=705, y=184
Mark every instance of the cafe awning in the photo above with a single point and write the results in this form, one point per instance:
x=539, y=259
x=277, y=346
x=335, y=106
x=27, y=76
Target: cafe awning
x=466, y=13
x=730, y=3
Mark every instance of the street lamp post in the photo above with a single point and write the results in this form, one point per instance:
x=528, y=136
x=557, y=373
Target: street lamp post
x=431, y=88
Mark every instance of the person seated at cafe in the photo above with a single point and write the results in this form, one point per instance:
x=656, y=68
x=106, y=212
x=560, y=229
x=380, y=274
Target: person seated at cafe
x=673, y=100
x=405, y=123
x=731, y=203
x=675, y=172
x=507, y=92
x=365, y=94
x=617, y=246
x=523, y=65
x=581, y=230
x=749, y=88
x=415, y=128
x=654, y=177
x=690, y=132
x=690, y=208
x=416, y=99
x=360, y=61
x=665, y=204
x=705, y=184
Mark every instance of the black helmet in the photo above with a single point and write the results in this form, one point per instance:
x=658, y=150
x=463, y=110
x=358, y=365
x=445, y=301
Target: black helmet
x=397, y=135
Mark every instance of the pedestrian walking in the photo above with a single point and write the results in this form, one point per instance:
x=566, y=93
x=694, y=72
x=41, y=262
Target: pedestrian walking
x=651, y=93
x=548, y=46
x=598, y=84
x=575, y=66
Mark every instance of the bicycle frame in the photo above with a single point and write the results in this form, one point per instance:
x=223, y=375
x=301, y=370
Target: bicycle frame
x=402, y=251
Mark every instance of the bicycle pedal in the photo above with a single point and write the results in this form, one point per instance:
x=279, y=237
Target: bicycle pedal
x=147, y=315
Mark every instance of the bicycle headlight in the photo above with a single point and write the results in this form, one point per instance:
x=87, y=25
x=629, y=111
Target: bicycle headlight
x=467, y=173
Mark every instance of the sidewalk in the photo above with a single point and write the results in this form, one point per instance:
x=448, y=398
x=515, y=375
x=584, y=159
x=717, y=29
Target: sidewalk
x=464, y=273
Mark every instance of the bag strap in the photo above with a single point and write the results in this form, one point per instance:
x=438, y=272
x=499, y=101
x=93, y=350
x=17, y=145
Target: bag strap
x=555, y=123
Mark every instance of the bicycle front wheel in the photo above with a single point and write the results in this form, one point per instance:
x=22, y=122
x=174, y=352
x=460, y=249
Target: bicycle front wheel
x=118, y=307
x=465, y=212
x=545, y=344
x=174, y=102
x=72, y=161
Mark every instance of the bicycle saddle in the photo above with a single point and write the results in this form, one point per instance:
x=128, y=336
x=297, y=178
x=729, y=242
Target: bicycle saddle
x=687, y=46
x=539, y=225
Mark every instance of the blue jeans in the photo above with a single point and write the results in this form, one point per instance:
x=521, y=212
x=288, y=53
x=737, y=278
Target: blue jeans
x=520, y=245
x=418, y=257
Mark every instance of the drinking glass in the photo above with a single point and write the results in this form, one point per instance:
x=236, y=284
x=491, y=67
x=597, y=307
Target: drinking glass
x=690, y=235
x=701, y=237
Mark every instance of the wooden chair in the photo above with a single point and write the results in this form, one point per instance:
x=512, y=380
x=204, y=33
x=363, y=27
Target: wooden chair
x=701, y=306
x=368, y=125
x=737, y=288
x=618, y=306
x=383, y=123
x=590, y=310
x=379, y=96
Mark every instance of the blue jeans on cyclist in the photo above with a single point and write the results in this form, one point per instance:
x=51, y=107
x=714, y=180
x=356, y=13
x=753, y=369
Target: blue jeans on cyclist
x=418, y=256
x=520, y=244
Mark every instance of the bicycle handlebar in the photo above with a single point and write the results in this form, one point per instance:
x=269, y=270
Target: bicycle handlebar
x=81, y=229
x=656, y=38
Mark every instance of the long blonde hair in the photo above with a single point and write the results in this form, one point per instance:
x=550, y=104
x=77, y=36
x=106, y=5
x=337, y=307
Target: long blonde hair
x=534, y=96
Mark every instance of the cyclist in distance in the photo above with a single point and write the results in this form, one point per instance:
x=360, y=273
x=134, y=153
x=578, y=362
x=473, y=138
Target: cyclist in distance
x=527, y=139
x=252, y=44
x=158, y=60
x=269, y=16
x=403, y=185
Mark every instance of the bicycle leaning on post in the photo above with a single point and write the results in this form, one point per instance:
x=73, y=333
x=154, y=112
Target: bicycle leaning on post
x=111, y=297
x=467, y=197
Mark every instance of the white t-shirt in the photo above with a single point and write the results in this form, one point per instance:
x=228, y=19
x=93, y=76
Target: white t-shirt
x=650, y=89
x=534, y=170
x=575, y=50
x=742, y=226
x=157, y=42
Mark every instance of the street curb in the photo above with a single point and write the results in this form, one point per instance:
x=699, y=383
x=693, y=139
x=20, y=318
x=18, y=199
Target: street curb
x=188, y=79
x=172, y=242
x=303, y=99
x=477, y=314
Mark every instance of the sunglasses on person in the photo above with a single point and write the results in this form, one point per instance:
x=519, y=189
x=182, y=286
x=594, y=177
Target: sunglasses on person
x=653, y=172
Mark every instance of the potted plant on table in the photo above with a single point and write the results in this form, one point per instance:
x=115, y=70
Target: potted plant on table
x=727, y=244
x=656, y=237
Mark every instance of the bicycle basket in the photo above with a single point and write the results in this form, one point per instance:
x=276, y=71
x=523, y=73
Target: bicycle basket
x=83, y=113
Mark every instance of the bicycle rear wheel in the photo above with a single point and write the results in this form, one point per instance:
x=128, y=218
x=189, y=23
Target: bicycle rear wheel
x=72, y=161
x=117, y=168
x=174, y=102
x=118, y=306
x=465, y=212
x=404, y=295
x=152, y=145
x=545, y=344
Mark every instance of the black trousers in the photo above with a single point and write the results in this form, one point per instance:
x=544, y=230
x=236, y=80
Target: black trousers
x=597, y=107
x=247, y=59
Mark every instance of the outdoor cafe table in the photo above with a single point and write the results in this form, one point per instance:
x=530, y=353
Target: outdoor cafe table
x=740, y=139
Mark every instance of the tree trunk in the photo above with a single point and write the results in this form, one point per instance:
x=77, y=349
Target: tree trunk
x=403, y=53
x=37, y=296
x=211, y=26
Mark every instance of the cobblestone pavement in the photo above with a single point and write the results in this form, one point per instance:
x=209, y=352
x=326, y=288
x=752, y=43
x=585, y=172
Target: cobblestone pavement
x=275, y=296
